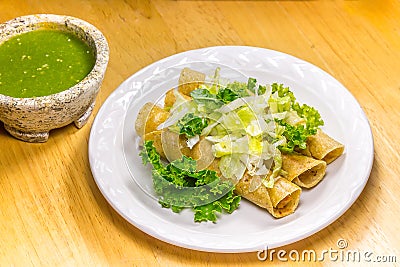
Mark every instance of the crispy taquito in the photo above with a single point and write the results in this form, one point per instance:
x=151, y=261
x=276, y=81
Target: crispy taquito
x=279, y=201
x=303, y=170
x=323, y=147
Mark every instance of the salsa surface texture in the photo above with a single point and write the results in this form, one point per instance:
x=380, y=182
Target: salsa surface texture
x=43, y=62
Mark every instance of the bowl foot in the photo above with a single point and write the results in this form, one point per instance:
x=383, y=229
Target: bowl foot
x=32, y=137
x=80, y=122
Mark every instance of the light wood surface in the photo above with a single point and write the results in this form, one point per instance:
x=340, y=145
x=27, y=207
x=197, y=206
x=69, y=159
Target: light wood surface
x=53, y=214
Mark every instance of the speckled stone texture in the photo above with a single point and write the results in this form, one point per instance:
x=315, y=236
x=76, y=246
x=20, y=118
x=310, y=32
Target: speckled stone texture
x=31, y=119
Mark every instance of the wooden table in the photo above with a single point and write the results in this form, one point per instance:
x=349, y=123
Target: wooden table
x=53, y=214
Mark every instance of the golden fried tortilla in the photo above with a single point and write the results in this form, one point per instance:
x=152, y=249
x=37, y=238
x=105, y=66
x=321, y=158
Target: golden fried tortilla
x=279, y=201
x=170, y=98
x=303, y=170
x=190, y=80
x=323, y=147
x=149, y=117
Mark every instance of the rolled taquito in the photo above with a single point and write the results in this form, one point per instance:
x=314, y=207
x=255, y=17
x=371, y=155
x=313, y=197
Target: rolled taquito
x=279, y=201
x=149, y=117
x=303, y=170
x=190, y=80
x=323, y=147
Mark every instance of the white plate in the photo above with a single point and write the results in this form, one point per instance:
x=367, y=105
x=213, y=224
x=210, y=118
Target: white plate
x=249, y=228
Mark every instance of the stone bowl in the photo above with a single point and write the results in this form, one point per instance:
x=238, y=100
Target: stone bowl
x=31, y=119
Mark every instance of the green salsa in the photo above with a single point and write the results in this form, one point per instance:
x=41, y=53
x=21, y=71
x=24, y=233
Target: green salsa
x=43, y=62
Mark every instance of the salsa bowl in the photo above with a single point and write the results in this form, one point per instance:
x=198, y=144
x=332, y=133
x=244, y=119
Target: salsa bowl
x=31, y=118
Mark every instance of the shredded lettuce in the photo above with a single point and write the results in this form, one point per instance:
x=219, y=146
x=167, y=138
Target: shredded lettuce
x=296, y=136
x=311, y=115
x=226, y=95
x=282, y=91
x=246, y=115
x=206, y=101
x=239, y=88
x=295, y=122
x=252, y=84
x=232, y=166
x=191, y=125
x=215, y=84
x=180, y=186
x=279, y=104
x=253, y=87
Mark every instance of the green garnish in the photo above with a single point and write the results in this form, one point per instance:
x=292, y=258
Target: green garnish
x=238, y=88
x=311, y=115
x=226, y=95
x=191, y=125
x=251, y=84
x=283, y=91
x=203, y=97
x=180, y=186
x=296, y=135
